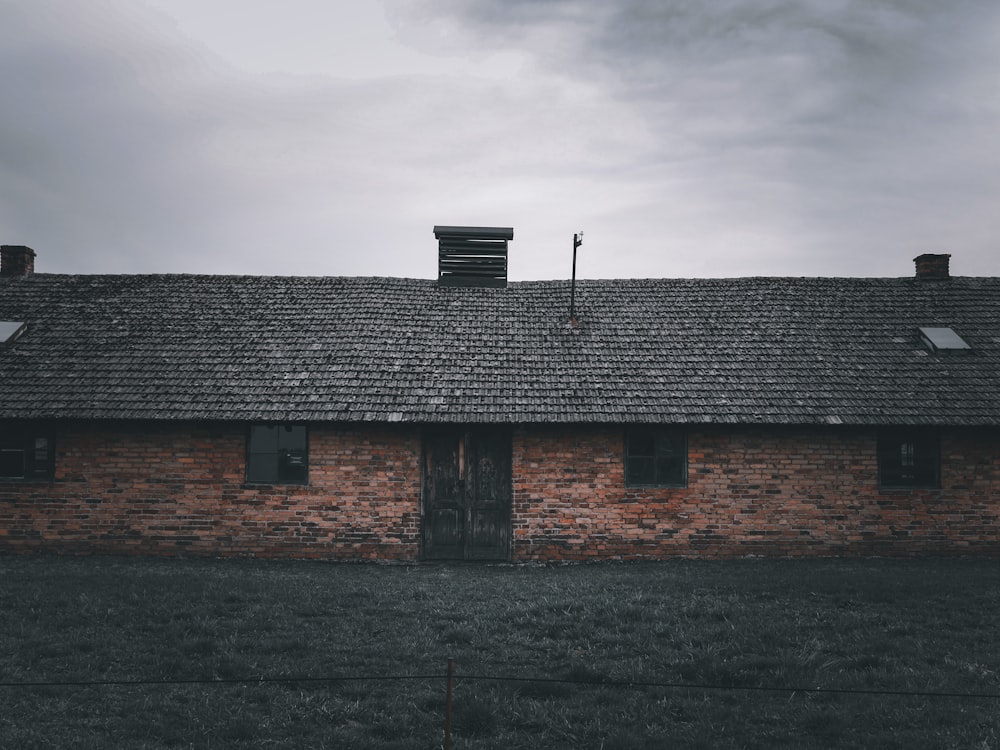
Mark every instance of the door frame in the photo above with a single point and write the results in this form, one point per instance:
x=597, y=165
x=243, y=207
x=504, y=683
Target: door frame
x=470, y=442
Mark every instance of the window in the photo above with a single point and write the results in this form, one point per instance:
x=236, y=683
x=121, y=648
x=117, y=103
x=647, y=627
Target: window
x=943, y=340
x=909, y=458
x=25, y=453
x=10, y=330
x=656, y=458
x=278, y=454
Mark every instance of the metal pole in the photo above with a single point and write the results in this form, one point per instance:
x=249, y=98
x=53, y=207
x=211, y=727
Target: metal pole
x=447, y=705
x=577, y=241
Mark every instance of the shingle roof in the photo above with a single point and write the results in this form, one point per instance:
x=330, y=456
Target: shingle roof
x=751, y=350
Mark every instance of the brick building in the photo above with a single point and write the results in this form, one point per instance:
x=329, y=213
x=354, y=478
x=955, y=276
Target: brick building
x=471, y=418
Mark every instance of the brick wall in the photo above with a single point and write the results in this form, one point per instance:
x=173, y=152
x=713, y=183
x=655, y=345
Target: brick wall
x=180, y=489
x=766, y=491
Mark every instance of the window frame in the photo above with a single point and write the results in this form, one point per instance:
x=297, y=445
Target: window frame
x=284, y=466
x=38, y=462
x=923, y=465
x=666, y=441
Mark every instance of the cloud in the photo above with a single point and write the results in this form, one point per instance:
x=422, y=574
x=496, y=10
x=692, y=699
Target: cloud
x=787, y=128
x=135, y=148
x=731, y=138
x=103, y=138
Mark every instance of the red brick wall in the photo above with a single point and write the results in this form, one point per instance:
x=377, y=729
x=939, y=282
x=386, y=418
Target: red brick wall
x=181, y=490
x=766, y=491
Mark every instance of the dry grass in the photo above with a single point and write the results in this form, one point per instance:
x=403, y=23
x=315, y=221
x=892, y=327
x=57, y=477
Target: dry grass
x=924, y=626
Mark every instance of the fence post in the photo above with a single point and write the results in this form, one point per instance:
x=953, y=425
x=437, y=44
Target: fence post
x=447, y=704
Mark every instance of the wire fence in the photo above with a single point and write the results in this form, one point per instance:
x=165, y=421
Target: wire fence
x=443, y=676
x=450, y=676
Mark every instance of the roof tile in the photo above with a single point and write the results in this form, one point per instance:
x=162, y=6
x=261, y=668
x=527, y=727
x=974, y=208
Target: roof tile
x=775, y=350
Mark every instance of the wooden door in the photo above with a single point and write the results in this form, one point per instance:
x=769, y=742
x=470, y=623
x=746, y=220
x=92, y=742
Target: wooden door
x=444, y=496
x=467, y=494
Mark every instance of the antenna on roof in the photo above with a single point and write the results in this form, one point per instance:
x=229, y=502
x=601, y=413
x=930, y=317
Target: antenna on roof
x=577, y=241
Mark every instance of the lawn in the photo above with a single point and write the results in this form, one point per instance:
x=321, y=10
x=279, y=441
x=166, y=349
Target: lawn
x=821, y=653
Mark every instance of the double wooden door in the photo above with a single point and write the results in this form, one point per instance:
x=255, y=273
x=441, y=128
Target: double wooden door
x=467, y=494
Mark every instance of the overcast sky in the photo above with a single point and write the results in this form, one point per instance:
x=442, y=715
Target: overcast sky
x=309, y=137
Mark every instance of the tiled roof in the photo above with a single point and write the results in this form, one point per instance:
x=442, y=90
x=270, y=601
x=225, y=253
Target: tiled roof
x=752, y=350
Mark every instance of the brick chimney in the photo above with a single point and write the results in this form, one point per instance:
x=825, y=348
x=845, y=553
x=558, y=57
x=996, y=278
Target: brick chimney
x=932, y=266
x=16, y=260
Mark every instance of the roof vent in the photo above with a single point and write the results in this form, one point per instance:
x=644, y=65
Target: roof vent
x=943, y=341
x=932, y=266
x=472, y=256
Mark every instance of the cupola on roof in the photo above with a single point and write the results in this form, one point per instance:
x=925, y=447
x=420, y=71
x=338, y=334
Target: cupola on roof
x=472, y=256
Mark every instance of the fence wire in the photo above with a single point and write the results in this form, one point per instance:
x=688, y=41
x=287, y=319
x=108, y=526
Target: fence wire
x=459, y=677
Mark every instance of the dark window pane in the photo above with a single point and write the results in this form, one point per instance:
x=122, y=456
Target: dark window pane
x=291, y=438
x=262, y=458
x=668, y=470
x=641, y=470
x=11, y=463
x=262, y=467
x=925, y=476
x=669, y=444
x=263, y=439
x=278, y=454
x=642, y=443
x=25, y=452
x=909, y=459
x=291, y=466
x=41, y=458
x=906, y=453
x=656, y=457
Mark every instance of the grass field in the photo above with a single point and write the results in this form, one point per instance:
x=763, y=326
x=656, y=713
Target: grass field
x=557, y=633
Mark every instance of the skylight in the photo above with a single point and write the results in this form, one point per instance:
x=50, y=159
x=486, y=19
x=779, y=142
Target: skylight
x=943, y=340
x=10, y=330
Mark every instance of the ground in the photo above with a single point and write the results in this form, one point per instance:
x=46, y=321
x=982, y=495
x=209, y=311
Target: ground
x=713, y=654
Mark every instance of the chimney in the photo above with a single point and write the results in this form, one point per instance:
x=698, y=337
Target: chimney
x=16, y=260
x=473, y=256
x=932, y=266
